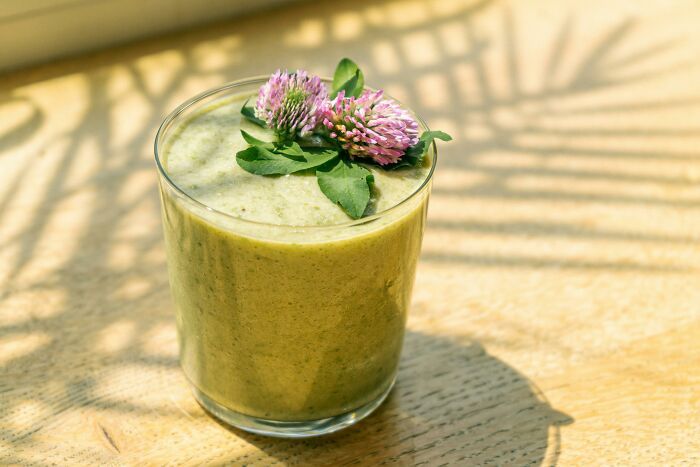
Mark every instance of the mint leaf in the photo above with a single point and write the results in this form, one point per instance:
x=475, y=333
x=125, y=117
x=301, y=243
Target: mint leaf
x=248, y=112
x=347, y=184
x=414, y=155
x=348, y=77
x=250, y=139
x=263, y=161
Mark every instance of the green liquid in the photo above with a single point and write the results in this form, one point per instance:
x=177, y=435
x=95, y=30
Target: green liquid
x=279, y=323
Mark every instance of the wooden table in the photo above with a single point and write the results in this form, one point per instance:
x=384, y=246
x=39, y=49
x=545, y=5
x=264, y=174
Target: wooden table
x=556, y=315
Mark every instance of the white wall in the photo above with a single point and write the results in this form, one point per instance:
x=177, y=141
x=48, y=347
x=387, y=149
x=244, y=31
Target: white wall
x=34, y=31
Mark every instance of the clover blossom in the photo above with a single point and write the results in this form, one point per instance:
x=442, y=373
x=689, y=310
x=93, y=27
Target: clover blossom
x=291, y=103
x=369, y=126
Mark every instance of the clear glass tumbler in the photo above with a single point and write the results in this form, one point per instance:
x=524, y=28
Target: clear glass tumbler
x=286, y=330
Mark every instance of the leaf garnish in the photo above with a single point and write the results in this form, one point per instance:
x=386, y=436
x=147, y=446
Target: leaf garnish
x=250, y=139
x=263, y=161
x=430, y=136
x=348, y=185
x=349, y=78
x=413, y=157
x=345, y=182
x=248, y=112
x=291, y=149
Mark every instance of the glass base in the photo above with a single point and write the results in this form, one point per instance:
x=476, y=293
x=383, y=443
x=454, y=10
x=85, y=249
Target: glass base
x=281, y=429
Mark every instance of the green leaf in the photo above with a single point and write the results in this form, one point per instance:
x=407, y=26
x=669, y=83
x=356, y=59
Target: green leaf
x=414, y=155
x=250, y=139
x=350, y=86
x=429, y=136
x=348, y=77
x=291, y=149
x=317, y=141
x=262, y=161
x=345, y=69
x=347, y=184
x=248, y=112
x=312, y=155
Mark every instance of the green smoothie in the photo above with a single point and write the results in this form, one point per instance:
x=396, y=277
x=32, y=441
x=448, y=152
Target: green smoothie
x=286, y=309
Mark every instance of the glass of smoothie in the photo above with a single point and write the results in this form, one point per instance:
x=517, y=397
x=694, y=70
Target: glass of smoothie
x=290, y=315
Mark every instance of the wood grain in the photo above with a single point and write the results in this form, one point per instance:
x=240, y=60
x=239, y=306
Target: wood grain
x=556, y=315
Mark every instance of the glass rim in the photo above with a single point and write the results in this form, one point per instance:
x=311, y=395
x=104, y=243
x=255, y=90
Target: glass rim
x=261, y=79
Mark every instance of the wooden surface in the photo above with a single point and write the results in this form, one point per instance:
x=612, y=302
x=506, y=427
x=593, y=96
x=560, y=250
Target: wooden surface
x=556, y=316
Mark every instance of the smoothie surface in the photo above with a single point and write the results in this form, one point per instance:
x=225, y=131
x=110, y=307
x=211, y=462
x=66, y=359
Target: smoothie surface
x=200, y=158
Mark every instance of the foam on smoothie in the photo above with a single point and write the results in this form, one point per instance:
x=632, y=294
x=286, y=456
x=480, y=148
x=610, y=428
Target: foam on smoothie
x=200, y=158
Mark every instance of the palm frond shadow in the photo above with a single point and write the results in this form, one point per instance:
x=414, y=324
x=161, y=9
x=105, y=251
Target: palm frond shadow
x=92, y=289
x=539, y=112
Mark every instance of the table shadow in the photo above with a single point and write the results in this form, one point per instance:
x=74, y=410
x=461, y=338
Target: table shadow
x=453, y=403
